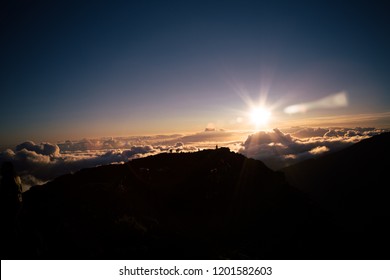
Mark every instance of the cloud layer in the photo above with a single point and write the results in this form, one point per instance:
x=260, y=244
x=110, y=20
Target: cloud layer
x=278, y=149
x=38, y=163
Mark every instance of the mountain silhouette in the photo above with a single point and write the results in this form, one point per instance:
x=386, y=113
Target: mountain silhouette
x=211, y=204
x=352, y=185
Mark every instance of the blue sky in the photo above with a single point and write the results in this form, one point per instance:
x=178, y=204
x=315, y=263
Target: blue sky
x=74, y=69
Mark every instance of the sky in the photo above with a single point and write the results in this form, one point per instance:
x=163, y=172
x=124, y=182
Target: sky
x=82, y=69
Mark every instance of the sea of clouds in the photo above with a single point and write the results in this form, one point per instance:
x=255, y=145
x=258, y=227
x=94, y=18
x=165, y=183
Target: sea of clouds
x=39, y=163
x=279, y=149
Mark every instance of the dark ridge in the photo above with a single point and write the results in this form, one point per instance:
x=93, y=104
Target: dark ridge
x=211, y=204
x=357, y=170
x=353, y=186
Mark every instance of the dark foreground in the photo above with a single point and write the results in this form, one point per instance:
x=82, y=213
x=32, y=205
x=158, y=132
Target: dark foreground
x=213, y=204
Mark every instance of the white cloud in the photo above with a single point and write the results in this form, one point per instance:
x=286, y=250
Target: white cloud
x=277, y=149
x=29, y=180
x=309, y=132
x=42, y=149
x=39, y=163
x=319, y=150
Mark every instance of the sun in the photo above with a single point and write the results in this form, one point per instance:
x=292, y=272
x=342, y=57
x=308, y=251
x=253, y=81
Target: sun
x=260, y=116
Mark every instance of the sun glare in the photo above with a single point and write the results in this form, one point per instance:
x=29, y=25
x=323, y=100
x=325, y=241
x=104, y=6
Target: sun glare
x=260, y=116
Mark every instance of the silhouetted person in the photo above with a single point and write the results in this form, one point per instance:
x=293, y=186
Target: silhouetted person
x=11, y=204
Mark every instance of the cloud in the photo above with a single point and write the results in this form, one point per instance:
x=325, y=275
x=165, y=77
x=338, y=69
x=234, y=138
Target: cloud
x=319, y=150
x=277, y=149
x=29, y=180
x=39, y=163
x=117, y=143
x=42, y=149
x=205, y=139
x=209, y=138
x=309, y=132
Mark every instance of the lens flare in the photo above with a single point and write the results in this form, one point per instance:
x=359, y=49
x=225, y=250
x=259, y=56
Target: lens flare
x=332, y=101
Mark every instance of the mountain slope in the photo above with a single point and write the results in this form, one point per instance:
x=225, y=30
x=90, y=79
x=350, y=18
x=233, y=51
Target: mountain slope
x=215, y=204
x=208, y=204
x=352, y=185
x=357, y=172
